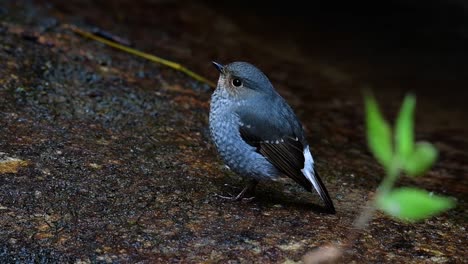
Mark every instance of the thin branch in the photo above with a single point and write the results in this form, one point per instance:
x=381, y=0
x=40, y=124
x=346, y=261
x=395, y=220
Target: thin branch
x=138, y=53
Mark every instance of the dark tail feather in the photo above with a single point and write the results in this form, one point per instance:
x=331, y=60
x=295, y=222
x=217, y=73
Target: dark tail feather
x=322, y=191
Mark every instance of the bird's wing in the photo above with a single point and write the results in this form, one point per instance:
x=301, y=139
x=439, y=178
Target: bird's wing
x=273, y=129
x=279, y=138
x=284, y=152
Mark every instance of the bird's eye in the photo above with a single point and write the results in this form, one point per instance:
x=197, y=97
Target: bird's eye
x=236, y=82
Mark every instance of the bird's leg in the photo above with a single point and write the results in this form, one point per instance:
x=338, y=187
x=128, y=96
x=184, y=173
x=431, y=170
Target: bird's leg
x=249, y=188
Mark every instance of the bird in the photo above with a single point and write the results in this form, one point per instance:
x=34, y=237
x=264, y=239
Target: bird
x=256, y=132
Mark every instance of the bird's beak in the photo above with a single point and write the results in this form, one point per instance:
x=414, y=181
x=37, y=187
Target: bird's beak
x=218, y=66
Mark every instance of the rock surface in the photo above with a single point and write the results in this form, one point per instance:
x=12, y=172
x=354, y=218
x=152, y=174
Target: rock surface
x=114, y=163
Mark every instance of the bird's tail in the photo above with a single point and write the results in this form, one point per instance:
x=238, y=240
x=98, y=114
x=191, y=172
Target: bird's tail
x=314, y=178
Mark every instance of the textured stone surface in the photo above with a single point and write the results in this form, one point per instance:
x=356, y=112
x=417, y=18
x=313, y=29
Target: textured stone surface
x=117, y=165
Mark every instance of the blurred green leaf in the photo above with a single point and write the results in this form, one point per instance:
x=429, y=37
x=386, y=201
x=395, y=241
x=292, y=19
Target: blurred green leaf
x=404, y=138
x=410, y=204
x=378, y=132
x=421, y=159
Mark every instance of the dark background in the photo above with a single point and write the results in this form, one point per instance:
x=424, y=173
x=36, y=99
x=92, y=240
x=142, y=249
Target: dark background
x=422, y=45
x=411, y=45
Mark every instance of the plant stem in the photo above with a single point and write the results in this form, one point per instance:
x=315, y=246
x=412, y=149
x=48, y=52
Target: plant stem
x=365, y=217
x=389, y=180
x=393, y=171
x=387, y=184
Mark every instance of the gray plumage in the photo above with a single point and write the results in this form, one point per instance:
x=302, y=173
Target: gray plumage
x=256, y=132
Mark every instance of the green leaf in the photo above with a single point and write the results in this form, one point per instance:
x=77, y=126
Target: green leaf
x=421, y=159
x=410, y=204
x=404, y=138
x=378, y=132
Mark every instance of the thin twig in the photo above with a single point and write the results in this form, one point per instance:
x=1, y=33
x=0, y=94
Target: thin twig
x=138, y=53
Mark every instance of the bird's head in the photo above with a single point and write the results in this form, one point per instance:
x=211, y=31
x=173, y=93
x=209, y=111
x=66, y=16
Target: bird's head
x=242, y=78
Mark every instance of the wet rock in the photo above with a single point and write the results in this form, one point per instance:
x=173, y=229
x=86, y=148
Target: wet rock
x=121, y=169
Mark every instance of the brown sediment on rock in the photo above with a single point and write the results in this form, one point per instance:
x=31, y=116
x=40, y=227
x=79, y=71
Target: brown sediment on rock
x=120, y=164
x=11, y=165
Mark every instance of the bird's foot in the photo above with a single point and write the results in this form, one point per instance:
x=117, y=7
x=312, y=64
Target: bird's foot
x=238, y=197
x=250, y=188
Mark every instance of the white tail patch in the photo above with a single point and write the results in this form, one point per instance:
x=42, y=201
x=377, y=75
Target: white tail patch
x=308, y=169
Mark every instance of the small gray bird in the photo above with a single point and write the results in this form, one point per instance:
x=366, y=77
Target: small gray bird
x=257, y=133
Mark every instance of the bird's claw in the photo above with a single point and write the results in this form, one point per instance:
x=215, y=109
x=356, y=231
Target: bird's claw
x=238, y=197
